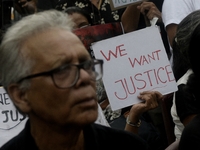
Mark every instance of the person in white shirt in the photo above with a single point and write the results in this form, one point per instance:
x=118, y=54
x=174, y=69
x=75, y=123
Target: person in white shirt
x=182, y=68
x=173, y=11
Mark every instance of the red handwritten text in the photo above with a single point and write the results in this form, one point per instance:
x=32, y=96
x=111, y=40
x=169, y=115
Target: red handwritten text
x=160, y=76
x=145, y=59
x=118, y=53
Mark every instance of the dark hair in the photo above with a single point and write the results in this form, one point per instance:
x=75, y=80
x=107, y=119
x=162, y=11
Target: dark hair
x=181, y=43
x=75, y=9
x=193, y=82
x=179, y=66
x=194, y=48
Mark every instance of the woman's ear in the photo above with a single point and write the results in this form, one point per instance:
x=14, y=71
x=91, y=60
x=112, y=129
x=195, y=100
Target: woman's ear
x=18, y=96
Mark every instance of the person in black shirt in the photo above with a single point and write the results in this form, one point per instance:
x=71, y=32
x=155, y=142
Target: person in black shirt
x=51, y=78
x=191, y=133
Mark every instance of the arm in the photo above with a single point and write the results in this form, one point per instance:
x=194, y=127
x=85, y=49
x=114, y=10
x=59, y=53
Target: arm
x=148, y=9
x=171, y=32
x=150, y=101
x=130, y=18
x=25, y=7
x=188, y=119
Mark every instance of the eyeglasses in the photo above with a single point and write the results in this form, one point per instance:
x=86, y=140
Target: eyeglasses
x=67, y=75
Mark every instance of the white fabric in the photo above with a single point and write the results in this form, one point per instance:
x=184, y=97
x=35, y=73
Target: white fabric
x=173, y=12
x=101, y=117
x=178, y=125
x=11, y=121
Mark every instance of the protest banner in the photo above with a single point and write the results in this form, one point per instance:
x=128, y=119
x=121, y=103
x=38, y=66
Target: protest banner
x=117, y=4
x=11, y=121
x=134, y=62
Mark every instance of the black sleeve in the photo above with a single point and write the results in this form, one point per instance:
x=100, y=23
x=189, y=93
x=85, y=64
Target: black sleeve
x=191, y=135
x=186, y=103
x=46, y=4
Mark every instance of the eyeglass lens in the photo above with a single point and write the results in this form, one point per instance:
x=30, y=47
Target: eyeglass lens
x=68, y=76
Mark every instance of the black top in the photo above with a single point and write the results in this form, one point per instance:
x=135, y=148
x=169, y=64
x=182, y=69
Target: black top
x=191, y=135
x=101, y=16
x=97, y=137
x=46, y=5
x=186, y=103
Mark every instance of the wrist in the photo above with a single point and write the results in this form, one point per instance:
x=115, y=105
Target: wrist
x=133, y=124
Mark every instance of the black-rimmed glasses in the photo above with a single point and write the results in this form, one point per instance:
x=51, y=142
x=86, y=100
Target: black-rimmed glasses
x=67, y=75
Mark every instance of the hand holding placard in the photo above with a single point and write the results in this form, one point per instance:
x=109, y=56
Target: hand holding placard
x=134, y=62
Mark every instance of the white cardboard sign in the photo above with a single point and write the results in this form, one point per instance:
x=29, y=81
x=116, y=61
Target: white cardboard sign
x=134, y=62
x=11, y=121
x=117, y=4
x=9, y=115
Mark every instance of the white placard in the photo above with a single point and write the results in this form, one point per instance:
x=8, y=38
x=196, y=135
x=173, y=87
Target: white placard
x=117, y=4
x=134, y=62
x=11, y=121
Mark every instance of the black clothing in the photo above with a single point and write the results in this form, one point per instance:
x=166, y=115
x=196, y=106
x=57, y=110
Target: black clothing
x=191, y=135
x=101, y=16
x=97, y=137
x=46, y=5
x=186, y=103
x=147, y=131
x=104, y=14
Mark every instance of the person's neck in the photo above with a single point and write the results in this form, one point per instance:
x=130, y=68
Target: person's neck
x=51, y=137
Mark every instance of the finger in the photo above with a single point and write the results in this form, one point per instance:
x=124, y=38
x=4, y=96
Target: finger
x=145, y=92
x=151, y=102
x=153, y=12
x=150, y=92
x=146, y=6
x=23, y=3
x=143, y=9
x=150, y=96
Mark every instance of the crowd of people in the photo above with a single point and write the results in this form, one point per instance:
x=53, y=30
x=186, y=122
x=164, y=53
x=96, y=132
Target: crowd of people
x=54, y=81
